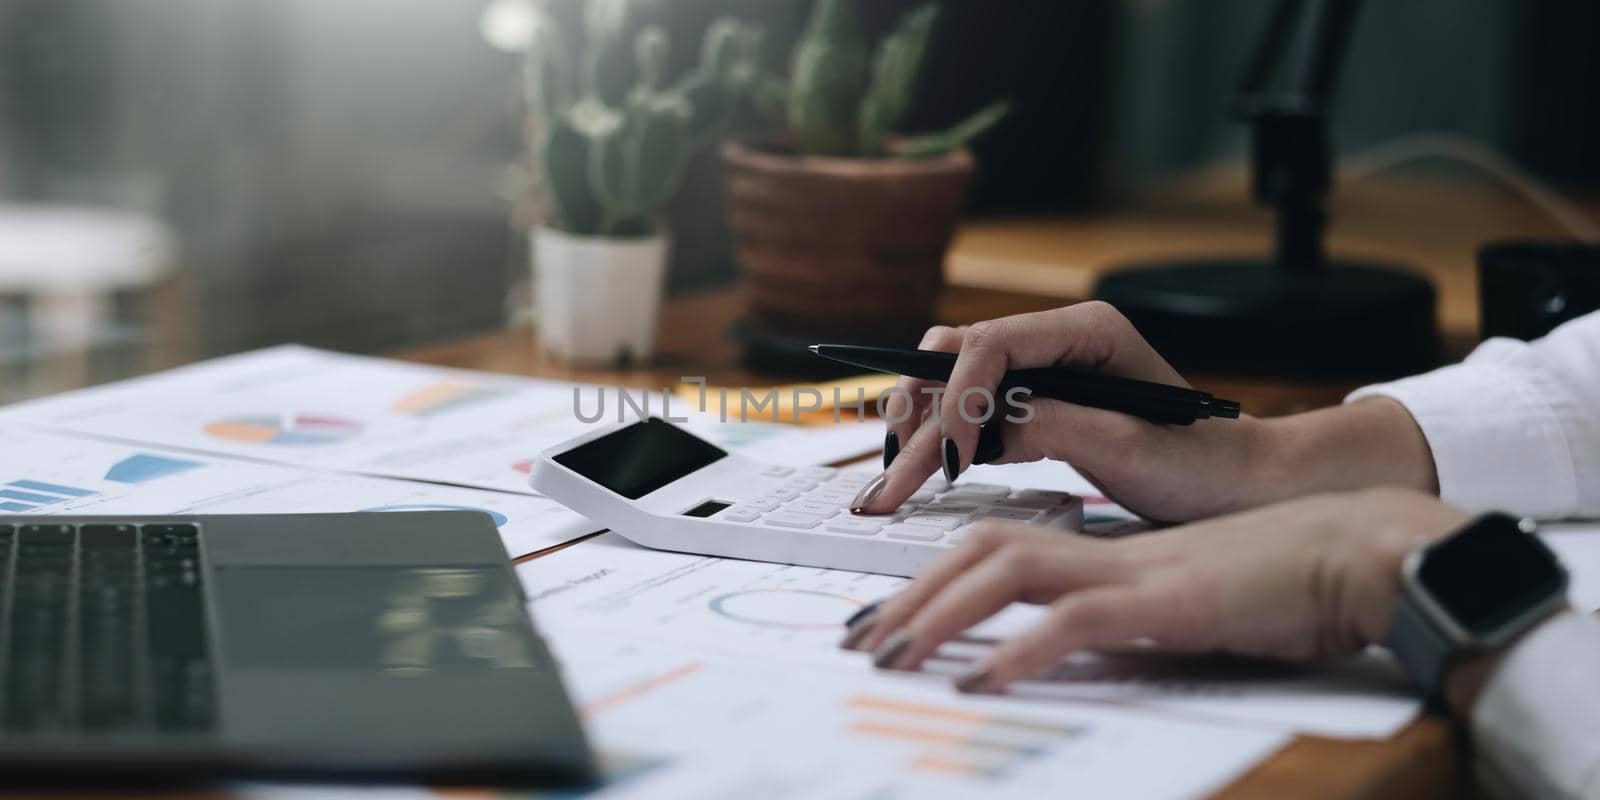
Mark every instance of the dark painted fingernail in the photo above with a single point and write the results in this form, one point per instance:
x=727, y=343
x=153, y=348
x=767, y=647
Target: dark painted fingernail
x=859, y=632
x=973, y=681
x=863, y=613
x=891, y=448
x=952, y=459
x=891, y=649
x=991, y=444
x=869, y=493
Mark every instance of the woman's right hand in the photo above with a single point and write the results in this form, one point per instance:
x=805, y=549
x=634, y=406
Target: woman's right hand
x=1164, y=472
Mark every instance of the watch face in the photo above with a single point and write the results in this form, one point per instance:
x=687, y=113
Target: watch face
x=1490, y=573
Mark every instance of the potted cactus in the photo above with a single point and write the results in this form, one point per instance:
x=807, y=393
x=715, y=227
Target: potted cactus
x=841, y=224
x=606, y=139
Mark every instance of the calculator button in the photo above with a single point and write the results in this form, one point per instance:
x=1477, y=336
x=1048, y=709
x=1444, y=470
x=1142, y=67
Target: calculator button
x=849, y=481
x=783, y=494
x=864, y=526
x=833, y=496
x=784, y=519
x=1033, y=502
x=777, y=471
x=983, y=489
x=959, y=509
x=956, y=496
x=767, y=503
x=1044, y=494
x=812, y=507
x=916, y=533
x=740, y=514
x=819, y=473
x=1010, y=514
x=920, y=497
x=802, y=484
x=943, y=522
x=1055, y=519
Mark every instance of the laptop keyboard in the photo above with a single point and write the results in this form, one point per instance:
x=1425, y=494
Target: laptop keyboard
x=103, y=629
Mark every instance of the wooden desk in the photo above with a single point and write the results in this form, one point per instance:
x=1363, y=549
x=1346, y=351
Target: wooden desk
x=1419, y=762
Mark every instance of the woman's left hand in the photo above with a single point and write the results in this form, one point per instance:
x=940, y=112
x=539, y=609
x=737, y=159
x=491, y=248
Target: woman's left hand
x=1304, y=579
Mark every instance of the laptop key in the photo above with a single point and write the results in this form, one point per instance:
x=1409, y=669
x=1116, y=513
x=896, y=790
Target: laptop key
x=106, y=537
x=46, y=534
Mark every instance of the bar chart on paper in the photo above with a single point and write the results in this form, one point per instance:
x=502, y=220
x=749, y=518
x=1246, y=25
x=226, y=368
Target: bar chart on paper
x=870, y=736
x=952, y=740
x=26, y=496
x=444, y=396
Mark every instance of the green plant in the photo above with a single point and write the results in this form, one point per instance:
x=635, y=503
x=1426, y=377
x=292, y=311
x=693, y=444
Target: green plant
x=607, y=139
x=837, y=103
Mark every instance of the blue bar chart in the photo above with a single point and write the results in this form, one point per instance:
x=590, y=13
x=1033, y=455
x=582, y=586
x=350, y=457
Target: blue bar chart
x=29, y=496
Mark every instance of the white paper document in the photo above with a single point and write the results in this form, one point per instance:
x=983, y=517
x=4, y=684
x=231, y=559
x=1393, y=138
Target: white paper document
x=797, y=613
x=48, y=473
x=670, y=722
x=304, y=407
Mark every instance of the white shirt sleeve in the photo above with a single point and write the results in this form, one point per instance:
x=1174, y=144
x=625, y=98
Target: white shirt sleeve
x=1535, y=724
x=1515, y=427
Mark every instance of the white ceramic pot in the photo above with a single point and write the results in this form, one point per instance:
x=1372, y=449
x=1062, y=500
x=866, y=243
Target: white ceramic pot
x=597, y=298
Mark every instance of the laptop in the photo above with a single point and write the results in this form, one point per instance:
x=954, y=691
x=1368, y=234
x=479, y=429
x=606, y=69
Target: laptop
x=375, y=646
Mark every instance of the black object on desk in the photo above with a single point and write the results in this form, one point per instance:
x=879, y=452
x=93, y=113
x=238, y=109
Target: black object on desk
x=1526, y=289
x=1296, y=311
x=1155, y=402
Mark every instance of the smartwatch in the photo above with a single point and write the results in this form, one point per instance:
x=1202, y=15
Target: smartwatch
x=1476, y=590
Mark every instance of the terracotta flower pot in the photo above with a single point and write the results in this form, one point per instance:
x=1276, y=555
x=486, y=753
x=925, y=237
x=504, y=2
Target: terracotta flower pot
x=842, y=249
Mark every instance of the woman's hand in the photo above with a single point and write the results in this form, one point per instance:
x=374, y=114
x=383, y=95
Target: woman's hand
x=1310, y=578
x=1166, y=472
x=1172, y=473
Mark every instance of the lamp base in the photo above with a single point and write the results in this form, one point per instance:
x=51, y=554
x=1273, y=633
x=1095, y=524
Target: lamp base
x=1250, y=317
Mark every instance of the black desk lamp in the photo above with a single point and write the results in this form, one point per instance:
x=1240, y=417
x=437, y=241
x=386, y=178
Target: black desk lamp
x=1297, y=312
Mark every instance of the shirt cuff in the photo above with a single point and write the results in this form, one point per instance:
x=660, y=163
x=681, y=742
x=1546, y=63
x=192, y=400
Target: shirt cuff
x=1534, y=723
x=1496, y=443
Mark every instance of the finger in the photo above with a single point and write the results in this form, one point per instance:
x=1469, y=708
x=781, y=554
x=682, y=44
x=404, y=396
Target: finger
x=1088, y=438
x=1087, y=335
x=908, y=403
x=1092, y=619
x=987, y=350
x=895, y=611
x=1022, y=570
x=918, y=458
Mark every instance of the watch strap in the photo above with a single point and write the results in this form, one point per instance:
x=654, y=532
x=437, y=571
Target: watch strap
x=1422, y=649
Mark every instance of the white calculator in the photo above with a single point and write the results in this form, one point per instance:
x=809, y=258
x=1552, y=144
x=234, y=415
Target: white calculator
x=663, y=487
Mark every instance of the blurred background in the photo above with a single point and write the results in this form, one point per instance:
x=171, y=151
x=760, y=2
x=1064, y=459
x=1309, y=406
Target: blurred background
x=188, y=178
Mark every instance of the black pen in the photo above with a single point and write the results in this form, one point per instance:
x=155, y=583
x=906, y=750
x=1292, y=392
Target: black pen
x=1156, y=402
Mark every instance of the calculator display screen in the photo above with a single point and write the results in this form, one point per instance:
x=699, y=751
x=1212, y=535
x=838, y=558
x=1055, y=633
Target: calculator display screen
x=640, y=458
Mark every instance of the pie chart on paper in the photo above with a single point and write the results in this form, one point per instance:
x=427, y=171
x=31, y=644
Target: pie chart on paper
x=289, y=429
